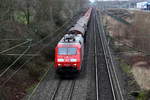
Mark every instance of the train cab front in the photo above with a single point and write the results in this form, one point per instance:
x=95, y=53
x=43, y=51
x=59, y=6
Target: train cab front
x=67, y=60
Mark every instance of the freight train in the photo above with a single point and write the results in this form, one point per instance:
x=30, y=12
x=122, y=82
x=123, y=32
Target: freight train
x=69, y=51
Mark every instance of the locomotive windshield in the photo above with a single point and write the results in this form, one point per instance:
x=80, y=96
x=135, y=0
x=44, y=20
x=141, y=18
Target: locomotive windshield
x=62, y=51
x=67, y=51
x=72, y=51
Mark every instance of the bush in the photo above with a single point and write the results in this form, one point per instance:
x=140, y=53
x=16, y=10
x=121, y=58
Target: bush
x=141, y=95
x=4, y=95
x=37, y=67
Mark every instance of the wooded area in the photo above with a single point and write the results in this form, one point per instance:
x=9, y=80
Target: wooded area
x=34, y=18
x=22, y=20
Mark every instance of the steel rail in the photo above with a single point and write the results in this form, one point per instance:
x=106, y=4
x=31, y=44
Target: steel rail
x=56, y=90
x=58, y=35
x=107, y=63
x=95, y=59
x=112, y=69
x=71, y=90
x=115, y=73
x=29, y=98
x=46, y=45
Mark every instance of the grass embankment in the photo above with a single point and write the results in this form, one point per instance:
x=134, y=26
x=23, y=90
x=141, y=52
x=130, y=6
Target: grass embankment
x=131, y=43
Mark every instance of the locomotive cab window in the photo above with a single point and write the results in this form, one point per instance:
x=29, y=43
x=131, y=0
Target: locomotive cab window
x=62, y=51
x=72, y=51
x=67, y=51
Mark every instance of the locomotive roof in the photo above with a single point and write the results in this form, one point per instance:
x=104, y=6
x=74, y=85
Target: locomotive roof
x=71, y=39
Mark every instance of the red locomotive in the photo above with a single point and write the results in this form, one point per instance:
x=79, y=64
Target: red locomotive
x=70, y=49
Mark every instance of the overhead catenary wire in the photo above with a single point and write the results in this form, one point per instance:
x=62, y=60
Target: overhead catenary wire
x=11, y=48
x=27, y=61
x=29, y=98
x=20, y=54
x=37, y=53
x=40, y=41
x=16, y=71
x=15, y=61
x=12, y=39
x=58, y=29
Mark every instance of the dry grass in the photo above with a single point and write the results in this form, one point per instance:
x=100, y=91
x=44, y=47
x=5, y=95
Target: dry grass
x=138, y=34
x=141, y=75
x=115, y=28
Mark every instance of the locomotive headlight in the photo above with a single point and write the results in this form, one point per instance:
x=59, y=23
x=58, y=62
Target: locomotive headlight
x=75, y=64
x=59, y=64
x=73, y=60
x=60, y=60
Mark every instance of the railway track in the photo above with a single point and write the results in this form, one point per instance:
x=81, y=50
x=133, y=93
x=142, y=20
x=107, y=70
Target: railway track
x=106, y=84
x=103, y=81
x=51, y=87
x=106, y=70
x=97, y=80
x=71, y=85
